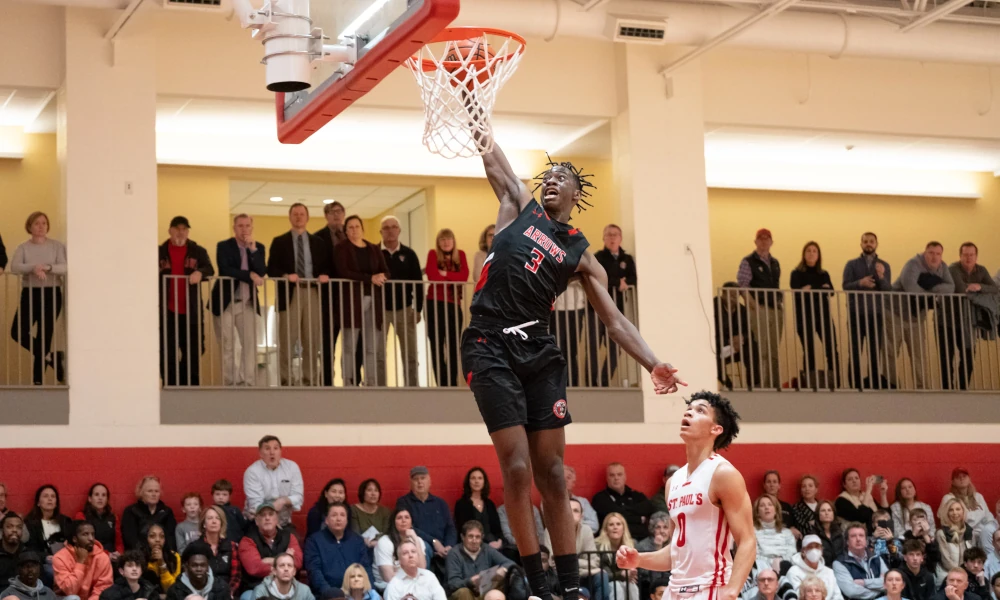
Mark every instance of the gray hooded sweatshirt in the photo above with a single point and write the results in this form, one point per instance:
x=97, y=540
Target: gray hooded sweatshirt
x=18, y=589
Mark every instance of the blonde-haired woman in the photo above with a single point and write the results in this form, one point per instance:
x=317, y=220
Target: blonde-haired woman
x=40, y=260
x=485, y=242
x=775, y=541
x=147, y=510
x=812, y=588
x=614, y=535
x=225, y=559
x=977, y=512
x=954, y=537
x=445, y=264
x=357, y=586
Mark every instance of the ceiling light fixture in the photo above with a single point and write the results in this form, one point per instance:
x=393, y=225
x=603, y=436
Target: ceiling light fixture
x=276, y=198
x=328, y=201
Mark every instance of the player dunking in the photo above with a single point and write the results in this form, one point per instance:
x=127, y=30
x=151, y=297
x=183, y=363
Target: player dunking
x=710, y=508
x=513, y=365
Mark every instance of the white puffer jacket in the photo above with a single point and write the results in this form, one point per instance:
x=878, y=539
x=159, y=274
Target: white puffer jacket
x=773, y=544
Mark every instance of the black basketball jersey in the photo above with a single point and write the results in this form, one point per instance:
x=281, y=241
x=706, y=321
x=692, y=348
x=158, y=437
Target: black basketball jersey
x=530, y=263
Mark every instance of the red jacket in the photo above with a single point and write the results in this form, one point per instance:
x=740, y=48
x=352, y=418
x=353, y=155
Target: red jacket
x=446, y=292
x=85, y=580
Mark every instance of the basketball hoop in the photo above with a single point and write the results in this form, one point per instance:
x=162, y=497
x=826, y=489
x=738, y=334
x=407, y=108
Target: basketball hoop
x=460, y=74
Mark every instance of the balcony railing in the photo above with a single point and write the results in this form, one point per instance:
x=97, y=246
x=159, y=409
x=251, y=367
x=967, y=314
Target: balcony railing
x=33, y=331
x=830, y=340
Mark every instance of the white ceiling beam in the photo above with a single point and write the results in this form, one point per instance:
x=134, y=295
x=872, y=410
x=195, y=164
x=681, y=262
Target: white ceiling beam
x=122, y=20
x=853, y=8
x=943, y=10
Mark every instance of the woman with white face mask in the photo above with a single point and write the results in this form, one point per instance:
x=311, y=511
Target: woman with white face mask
x=810, y=562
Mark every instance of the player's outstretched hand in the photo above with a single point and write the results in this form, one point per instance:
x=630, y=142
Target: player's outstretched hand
x=665, y=379
x=627, y=558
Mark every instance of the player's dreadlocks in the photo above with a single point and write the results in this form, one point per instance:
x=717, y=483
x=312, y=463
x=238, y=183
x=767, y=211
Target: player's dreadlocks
x=582, y=183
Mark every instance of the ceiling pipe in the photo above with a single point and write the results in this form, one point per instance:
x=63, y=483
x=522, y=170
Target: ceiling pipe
x=935, y=15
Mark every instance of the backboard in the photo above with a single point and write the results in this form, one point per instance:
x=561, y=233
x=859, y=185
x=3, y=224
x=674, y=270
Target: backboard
x=387, y=32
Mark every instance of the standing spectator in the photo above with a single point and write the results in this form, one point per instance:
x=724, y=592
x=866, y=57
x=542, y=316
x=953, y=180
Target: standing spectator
x=810, y=562
x=860, y=575
x=812, y=316
x=620, y=498
x=148, y=509
x=189, y=529
x=82, y=568
x=855, y=505
x=804, y=511
x=275, y=479
x=223, y=557
x=404, y=302
x=615, y=534
x=357, y=585
x=868, y=273
x=331, y=550
x=11, y=546
x=281, y=583
x=589, y=514
x=369, y=513
x=305, y=264
x=27, y=584
x=977, y=512
x=969, y=278
x=335, y=490
x=775, y=542
x=830, y=531
x=466, y=564
x=906, y=500
x=361, y=309
x=659, y=499
x=485, y=243
x=163, y=565
x=446, y=263
x=733, y=339
x=263, y=542
x=130, y=585
x=566, y=325
x=772, y=486
x=917, y=578
x=332, y=235
x=760, y=270
x=923, y=274
x=431, y=519
x=954, y=537
x=386, y=558
x=236, y=523
x=197, y=578
x=3, y=256
x=182, y=333
x=42, y=262
x=98, y=512
x=48, y=528
x=475, y=505
x=620, y=267
x=411, y=580
x=235, y=304
x=591, y=575
x=920, y=531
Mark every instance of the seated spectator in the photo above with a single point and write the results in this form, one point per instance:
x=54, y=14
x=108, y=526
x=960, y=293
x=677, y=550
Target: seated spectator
x=335, y=490
x=386, y=563
x=589, y=514
x=775, y=542
x=859, y=573
x=591, y=576
x=995, y=582
x=615, y=534
x=894, y=585
x=411, y=580
x=368, y=513
x=27, y=585
x=331, y=550
x=551, y=577
x=974, y=563
x=772, y=486
x=11, y=546
x=906, y=501
x=197, y=578
x=357, y=586
x=660, y=531
x=812, y=588
x=4, y=509
x=855, y=505
x=809, y=563
x=163, y=565
x=147, y=510
x=262, y=542
x=977, y=512
x=224, y=559
x=920, y=530
x=82, y=568
x=47, y=528
x=883, y=542
x=188, y=530
x=767, y=586
x=619, y=498
x=953, y=538
x=510, y=544
x=130, y=585
x=281, y=583
x=275, y=479
x=475, y=505
x=467, y=564
x=992, y=566
x=431, y=517
x=956, y=587
x=658, y=588
x=236, y=523
x=830, y=530
x=804, y=511
x=97, y=511
x=917, y=578
x=988, y=530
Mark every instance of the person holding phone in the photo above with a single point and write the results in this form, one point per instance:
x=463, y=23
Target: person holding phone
x=920, y=530
x=857, y=505
x=882, y=542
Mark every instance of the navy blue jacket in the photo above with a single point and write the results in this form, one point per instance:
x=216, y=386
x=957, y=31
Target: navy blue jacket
x=856, y=270
x=326, y=559
x=227, y=256
x=431, y=519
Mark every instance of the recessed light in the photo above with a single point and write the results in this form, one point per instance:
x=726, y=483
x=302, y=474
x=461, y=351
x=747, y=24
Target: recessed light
x=276, y=198
x=328, y=201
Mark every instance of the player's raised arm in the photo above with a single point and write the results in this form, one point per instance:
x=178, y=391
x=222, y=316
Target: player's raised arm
x=505, y=183
x=620, y=329
x=731, y=490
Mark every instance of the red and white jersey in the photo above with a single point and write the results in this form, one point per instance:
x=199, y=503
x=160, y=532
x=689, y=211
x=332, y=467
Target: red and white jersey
x=700, y=549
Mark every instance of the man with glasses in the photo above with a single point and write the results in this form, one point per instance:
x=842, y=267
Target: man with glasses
x=400, y=297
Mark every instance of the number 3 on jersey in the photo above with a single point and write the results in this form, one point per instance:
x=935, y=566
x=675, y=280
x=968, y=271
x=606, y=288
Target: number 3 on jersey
x=681, y=530
x=536, y=260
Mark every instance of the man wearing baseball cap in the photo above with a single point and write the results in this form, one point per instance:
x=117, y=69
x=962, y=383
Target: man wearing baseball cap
x=760, y=270
x=810, y=562
x=26, y=586
x=181, y=315
x=431, y=518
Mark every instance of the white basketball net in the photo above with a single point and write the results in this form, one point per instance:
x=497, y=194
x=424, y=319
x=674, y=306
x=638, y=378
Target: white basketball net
x=458, y=106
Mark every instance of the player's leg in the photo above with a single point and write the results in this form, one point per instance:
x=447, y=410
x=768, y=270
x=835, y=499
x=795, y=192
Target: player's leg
x=547, y=449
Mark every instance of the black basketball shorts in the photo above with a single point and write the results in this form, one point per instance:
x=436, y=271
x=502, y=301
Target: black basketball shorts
x=516, y=381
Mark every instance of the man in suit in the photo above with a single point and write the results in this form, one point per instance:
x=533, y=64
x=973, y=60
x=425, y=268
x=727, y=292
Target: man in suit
x=234, y=301
x=301, y=260
x=333, y=293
